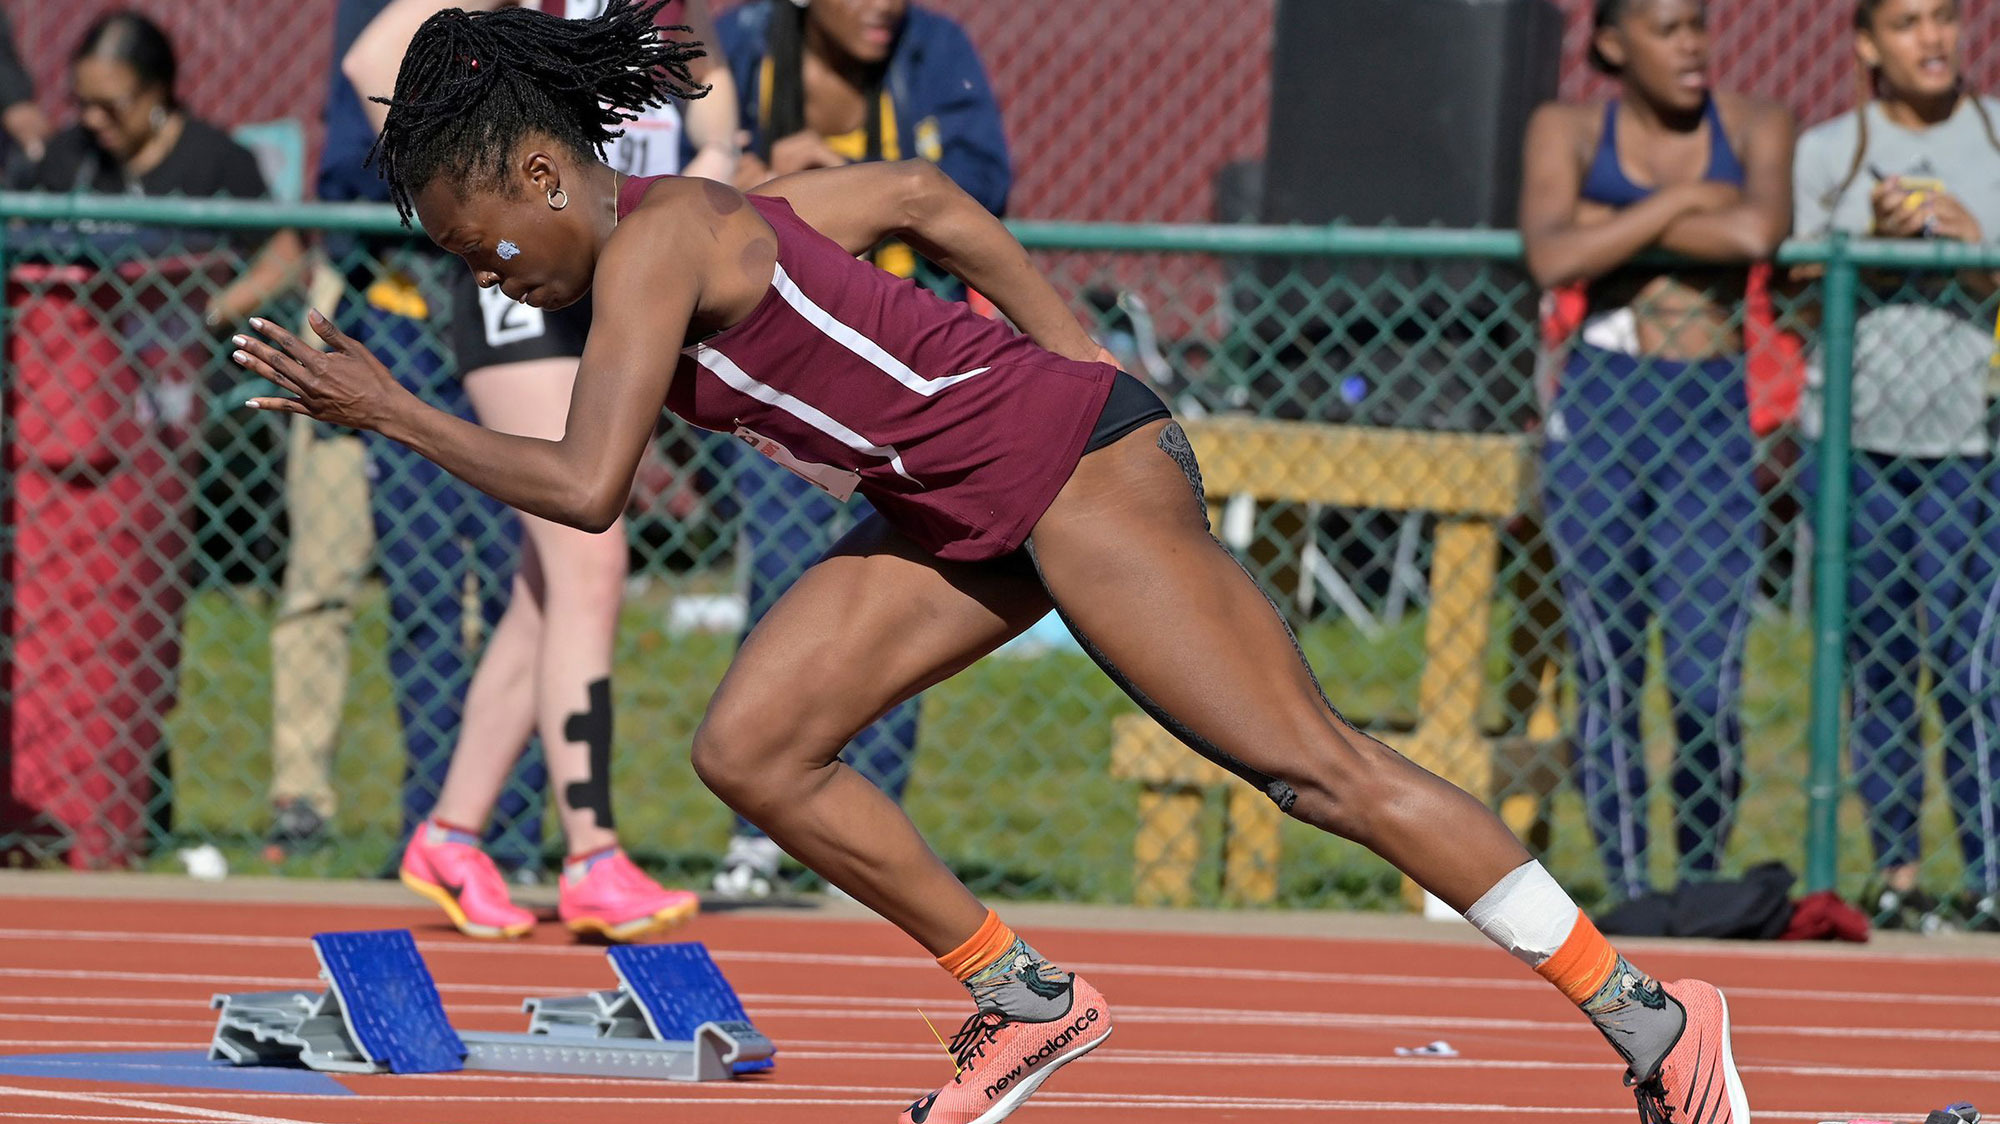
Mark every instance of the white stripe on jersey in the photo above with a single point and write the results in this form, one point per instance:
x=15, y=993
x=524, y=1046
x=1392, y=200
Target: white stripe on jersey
x=859, y=344
x=740, y=381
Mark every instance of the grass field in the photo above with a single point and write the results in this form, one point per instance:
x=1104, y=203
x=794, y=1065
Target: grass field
x=1011, y=784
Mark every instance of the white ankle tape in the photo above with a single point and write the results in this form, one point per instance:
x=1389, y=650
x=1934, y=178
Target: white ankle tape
x=1525, y=913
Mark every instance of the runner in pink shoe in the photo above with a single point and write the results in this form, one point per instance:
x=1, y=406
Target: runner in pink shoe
x=445, y=865
x=605, y=894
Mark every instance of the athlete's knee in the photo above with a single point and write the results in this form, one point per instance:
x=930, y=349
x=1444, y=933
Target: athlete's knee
x=1349, y=784
x=747, y=758
x=724, y=760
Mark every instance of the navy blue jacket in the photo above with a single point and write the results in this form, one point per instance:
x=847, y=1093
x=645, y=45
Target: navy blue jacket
x=342, y=171
x=945, y=109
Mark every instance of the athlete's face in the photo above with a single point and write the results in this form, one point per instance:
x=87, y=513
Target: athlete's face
x=514, y=237
x=863, y=30
x=1661, y=50
x=1914, y=46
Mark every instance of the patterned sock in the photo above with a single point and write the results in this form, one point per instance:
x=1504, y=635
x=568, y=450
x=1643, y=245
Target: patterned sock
x=1626, y=1005
x=1005, y=974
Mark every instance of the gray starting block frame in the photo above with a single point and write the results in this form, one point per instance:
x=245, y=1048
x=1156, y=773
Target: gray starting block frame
x=287, y=1028
x=672, y=1017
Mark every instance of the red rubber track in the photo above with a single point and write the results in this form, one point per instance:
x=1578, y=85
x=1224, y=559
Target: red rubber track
x=1208, y=1027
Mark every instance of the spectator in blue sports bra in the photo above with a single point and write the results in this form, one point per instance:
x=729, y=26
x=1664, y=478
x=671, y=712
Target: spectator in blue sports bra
x=1648, y=457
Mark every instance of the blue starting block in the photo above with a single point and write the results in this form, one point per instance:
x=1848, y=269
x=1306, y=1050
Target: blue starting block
x=380, y=1014
x=673, y=1016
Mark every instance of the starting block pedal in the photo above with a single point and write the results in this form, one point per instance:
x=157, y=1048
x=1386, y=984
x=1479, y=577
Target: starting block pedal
x=673, y=1016
x=380, y=1014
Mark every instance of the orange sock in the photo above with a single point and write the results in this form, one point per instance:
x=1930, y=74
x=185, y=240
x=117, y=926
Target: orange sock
x=1582, y=964
x=980, y=950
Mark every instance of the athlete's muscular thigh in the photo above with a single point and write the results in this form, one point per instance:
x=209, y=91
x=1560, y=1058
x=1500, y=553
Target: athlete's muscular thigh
x=1125, y=549
x=871, y=624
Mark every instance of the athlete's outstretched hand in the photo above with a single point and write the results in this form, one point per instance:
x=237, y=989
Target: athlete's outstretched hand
x=346, y=386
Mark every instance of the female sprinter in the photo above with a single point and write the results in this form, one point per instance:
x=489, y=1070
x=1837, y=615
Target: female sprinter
x=1011, y=474
x=1651, y=502
x=1919, y=158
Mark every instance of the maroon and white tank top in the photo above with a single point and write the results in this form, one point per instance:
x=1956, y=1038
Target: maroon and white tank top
x=958, y=429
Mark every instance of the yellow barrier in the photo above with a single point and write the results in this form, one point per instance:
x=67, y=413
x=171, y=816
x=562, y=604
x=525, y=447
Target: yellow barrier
x=1471, y=483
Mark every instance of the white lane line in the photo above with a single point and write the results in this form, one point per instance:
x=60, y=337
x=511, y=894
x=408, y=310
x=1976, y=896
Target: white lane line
x=1172, y=971
x=779, y=1005
x=106, y=1100
x=837, y=1050
x=75, y=1117
x=105, y=1044
x=859, y=1095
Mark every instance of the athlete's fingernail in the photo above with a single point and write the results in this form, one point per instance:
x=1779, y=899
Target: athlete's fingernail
x=242, y=357
x=258, y=323
x=239, y=341
x=252, y=403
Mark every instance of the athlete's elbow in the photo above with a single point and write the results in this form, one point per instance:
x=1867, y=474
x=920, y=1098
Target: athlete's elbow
x=923, y=192
x=586, y=506
x=596, y=514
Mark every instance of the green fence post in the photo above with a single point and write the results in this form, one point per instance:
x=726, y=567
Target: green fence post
x=1838, y=298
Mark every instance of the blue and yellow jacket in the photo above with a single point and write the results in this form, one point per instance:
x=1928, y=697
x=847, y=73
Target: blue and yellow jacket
x=937, y=102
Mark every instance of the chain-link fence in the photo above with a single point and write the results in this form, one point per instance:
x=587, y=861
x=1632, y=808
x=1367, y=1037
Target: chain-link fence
x=196, y=620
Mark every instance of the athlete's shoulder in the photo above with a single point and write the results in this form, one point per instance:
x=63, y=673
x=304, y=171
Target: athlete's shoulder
x=686, y=231
x=663, y=224
x=673, y=204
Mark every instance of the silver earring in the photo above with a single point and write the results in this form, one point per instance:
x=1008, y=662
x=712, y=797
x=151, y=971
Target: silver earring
x=158, y=118
x=556, y=194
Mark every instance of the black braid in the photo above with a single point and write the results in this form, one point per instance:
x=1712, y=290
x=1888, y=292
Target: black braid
x=472, y=84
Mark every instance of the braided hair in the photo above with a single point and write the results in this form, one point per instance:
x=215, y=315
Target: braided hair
x=472, y=84
x=1868, y=85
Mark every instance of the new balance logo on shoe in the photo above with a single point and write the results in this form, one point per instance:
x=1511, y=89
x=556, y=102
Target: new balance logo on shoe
x=921, y=1111
x=1050, y=1049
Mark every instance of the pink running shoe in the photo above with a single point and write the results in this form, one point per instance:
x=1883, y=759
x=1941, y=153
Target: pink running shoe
x=1001, y=1060
x=463, y=881
x=1696, y=1083
x=608, y=895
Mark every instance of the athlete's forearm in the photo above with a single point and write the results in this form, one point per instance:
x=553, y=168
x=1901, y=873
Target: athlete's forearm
x=526, y=473
x=963, y=237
